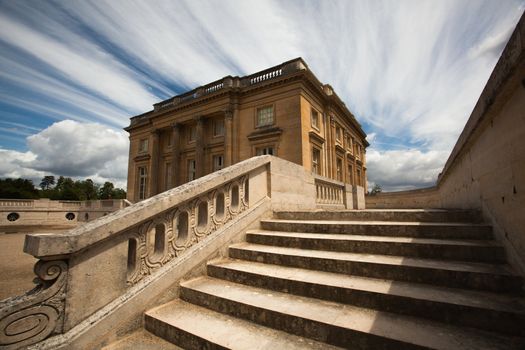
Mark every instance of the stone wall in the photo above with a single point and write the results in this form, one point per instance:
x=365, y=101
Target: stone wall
x=486, y=169
x=29, y=215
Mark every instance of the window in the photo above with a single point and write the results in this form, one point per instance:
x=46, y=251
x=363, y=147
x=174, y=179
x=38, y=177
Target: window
x=192, y=133
x=339, y=168
x=338, y=134
x=70, y=216
x=143, y=146
x=168, y=142
x=358, y=151
x=218, y=162
x=316, y=161
x=13, y=216
x=314, y=115
x=167, y=176
x=142, y=182
x=358, y=180
x=264, y=151
x=218, y=127
x=350, y=174
x=352, y=145
x=191, y=170
x=265, y=116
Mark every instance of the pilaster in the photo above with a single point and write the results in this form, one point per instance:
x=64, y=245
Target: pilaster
x=175, y=155
x=154, y=163
x=199, y=147
x=228, y=137
x=333, y=158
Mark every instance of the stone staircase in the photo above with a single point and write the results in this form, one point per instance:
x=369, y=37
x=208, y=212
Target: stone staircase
x=396, y=279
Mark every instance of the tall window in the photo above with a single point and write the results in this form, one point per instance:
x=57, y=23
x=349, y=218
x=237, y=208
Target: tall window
x=218, y=162
x=339, y=168
x=350, y=174
x=338, y=133
x=191, y=170
x=358, y=180
x=167, y=176
x=143, y=177
x=218, y=127
x=143, y=146
x=316, y=161
x=352, y=145
x=262, y=151
x=314, y=115
x=265, y=116
x=192, y=133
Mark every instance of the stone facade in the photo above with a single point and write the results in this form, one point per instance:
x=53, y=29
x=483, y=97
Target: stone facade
x=283, y=111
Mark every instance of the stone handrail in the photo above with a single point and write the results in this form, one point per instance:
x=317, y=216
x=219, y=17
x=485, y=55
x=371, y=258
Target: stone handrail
x=128, y=259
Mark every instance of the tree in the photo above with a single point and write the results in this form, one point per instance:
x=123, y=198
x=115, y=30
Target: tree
x=376, y=189
x=119, y=193
x=86, y=190
x=90, y=189
x=17, y=189
x=47, y=182
x=106, y=191
x=68, y=190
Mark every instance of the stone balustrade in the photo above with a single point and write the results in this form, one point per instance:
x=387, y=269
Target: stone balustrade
x=265, y=75
x=229, y=82
x=329, y=192
x=109, y=271
x=16, y=203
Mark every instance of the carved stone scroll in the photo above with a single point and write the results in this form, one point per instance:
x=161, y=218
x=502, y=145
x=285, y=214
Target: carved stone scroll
x=32, y=317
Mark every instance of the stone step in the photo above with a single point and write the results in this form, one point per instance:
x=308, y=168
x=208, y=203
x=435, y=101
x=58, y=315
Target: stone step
x=333, y=323
x=454, y=274
x=141, y=340
x=383, y=228
x=487, y=311
x=194, y=327
x=422, y=215
x=465, y=250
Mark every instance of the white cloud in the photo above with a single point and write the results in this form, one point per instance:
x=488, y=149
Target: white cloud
x=73, y=149
x=398, y=170
x=14, y=164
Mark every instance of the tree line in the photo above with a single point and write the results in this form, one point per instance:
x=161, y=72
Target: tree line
x=63, y=188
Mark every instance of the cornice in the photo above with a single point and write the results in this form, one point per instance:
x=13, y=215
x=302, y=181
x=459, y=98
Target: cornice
x=316, y=137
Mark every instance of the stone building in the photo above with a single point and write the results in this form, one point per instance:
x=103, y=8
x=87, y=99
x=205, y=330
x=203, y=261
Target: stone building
x=283, y=111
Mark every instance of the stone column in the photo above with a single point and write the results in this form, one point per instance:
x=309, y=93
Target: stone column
x=228, y=137
x=199, y=147
x=154, y=163
x=175, y=155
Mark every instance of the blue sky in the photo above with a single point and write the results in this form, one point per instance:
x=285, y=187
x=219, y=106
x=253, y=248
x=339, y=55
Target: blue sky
x=72, y=73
